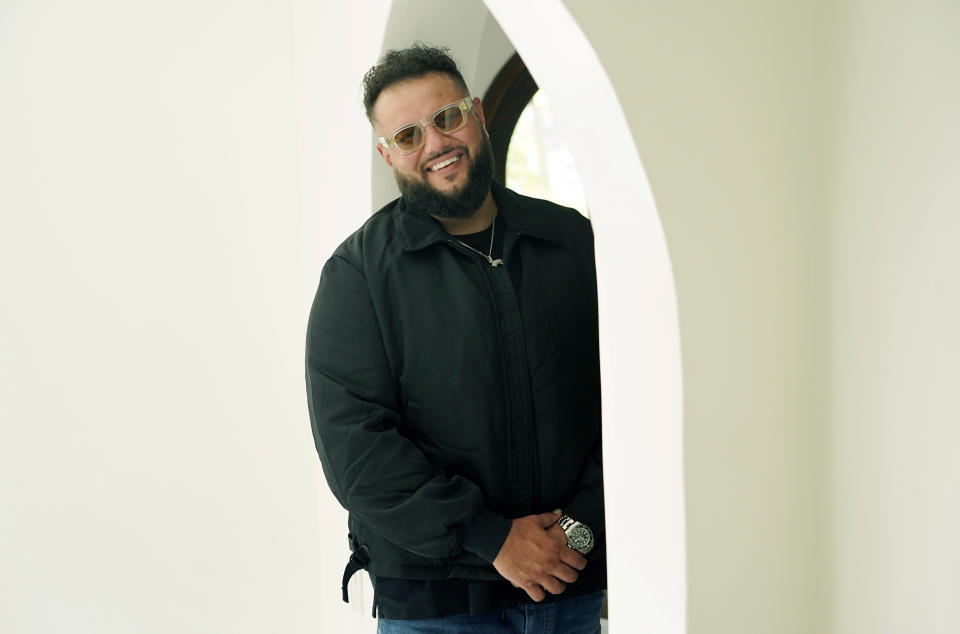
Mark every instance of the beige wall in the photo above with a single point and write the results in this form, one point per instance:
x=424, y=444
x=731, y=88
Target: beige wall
x=718, y=97
x=804, y=162
x=891, y=200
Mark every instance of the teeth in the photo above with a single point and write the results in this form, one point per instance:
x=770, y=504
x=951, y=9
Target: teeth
x=443, y=164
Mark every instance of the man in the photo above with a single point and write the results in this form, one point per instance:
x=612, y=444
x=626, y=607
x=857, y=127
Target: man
x=453, y=379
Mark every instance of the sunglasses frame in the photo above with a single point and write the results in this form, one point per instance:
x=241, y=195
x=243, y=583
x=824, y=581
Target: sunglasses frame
x=465, y=104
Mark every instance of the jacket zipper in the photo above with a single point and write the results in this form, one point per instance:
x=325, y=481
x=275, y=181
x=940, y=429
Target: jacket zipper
x=534, y=468
x=510, y=393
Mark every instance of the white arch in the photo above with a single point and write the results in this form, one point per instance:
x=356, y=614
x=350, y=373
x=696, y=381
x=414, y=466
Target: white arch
x=639, y=327
x=640, y=349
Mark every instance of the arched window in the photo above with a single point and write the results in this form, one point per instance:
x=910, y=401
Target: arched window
x=530, y=153
x=509, y=93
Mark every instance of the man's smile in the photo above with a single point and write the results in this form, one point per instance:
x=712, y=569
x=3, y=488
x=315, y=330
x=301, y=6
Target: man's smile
x=442, y=164
x=447, y=163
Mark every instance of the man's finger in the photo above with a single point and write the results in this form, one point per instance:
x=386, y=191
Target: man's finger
x=553, y=585
x=535, y=592
x=573, y=558
x=565, y=573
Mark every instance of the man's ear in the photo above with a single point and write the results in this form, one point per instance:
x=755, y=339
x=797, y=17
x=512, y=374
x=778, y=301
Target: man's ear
x=385, y=155
x=478, y=108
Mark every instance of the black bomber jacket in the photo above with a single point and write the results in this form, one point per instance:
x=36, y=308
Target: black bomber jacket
x=448, y=396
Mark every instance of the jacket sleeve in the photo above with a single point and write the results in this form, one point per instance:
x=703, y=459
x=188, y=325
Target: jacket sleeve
x=375, y=472
x=586, y=503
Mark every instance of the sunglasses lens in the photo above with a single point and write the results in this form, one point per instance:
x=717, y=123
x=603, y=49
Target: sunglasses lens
x=408, y=138
x=449, y=119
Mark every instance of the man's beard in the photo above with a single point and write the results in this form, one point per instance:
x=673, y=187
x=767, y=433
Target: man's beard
x=461, y=203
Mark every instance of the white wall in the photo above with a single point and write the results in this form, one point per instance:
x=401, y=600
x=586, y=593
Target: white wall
x=719, y=98
x=199, y=185
x=495, y=50
x=335, y=44
x=168, y=177
x=639, y=346
x=157, y=472
x=892, y=149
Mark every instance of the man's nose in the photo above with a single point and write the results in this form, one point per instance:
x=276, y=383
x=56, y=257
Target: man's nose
x=433, y=139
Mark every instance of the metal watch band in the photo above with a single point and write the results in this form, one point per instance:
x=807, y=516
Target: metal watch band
x=565, y=522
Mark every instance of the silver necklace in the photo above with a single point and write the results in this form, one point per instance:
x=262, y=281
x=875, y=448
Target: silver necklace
x=488, y=255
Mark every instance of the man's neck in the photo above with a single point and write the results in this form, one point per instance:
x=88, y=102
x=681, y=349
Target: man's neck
x=475, y=223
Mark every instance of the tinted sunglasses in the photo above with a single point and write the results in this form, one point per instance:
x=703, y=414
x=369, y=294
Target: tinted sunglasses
x=448, y=119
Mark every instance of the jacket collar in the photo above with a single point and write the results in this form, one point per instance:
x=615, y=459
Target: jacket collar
x=417, y=230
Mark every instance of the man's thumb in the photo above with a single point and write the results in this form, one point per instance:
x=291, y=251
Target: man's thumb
x=549, y=519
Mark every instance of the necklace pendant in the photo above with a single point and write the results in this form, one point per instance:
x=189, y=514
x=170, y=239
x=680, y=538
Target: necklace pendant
x=495, y=263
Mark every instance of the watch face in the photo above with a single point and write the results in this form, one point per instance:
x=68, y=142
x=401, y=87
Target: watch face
x=580, y=538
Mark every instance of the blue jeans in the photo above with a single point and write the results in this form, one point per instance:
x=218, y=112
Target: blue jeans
x=580, y=615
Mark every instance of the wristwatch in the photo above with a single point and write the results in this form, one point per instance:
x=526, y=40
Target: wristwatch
x=579, y=536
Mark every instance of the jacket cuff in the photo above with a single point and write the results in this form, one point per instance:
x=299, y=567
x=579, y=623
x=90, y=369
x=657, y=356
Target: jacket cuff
x=588, y=510
x=484, y=534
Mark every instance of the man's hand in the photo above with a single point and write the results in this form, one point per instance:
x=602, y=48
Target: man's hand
x=535, y=556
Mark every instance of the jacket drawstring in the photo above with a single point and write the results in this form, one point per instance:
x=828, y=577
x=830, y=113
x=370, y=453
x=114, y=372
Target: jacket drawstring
x=359, y=559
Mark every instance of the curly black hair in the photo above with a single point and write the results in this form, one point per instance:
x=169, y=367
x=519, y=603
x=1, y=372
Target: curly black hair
x=397, y=65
